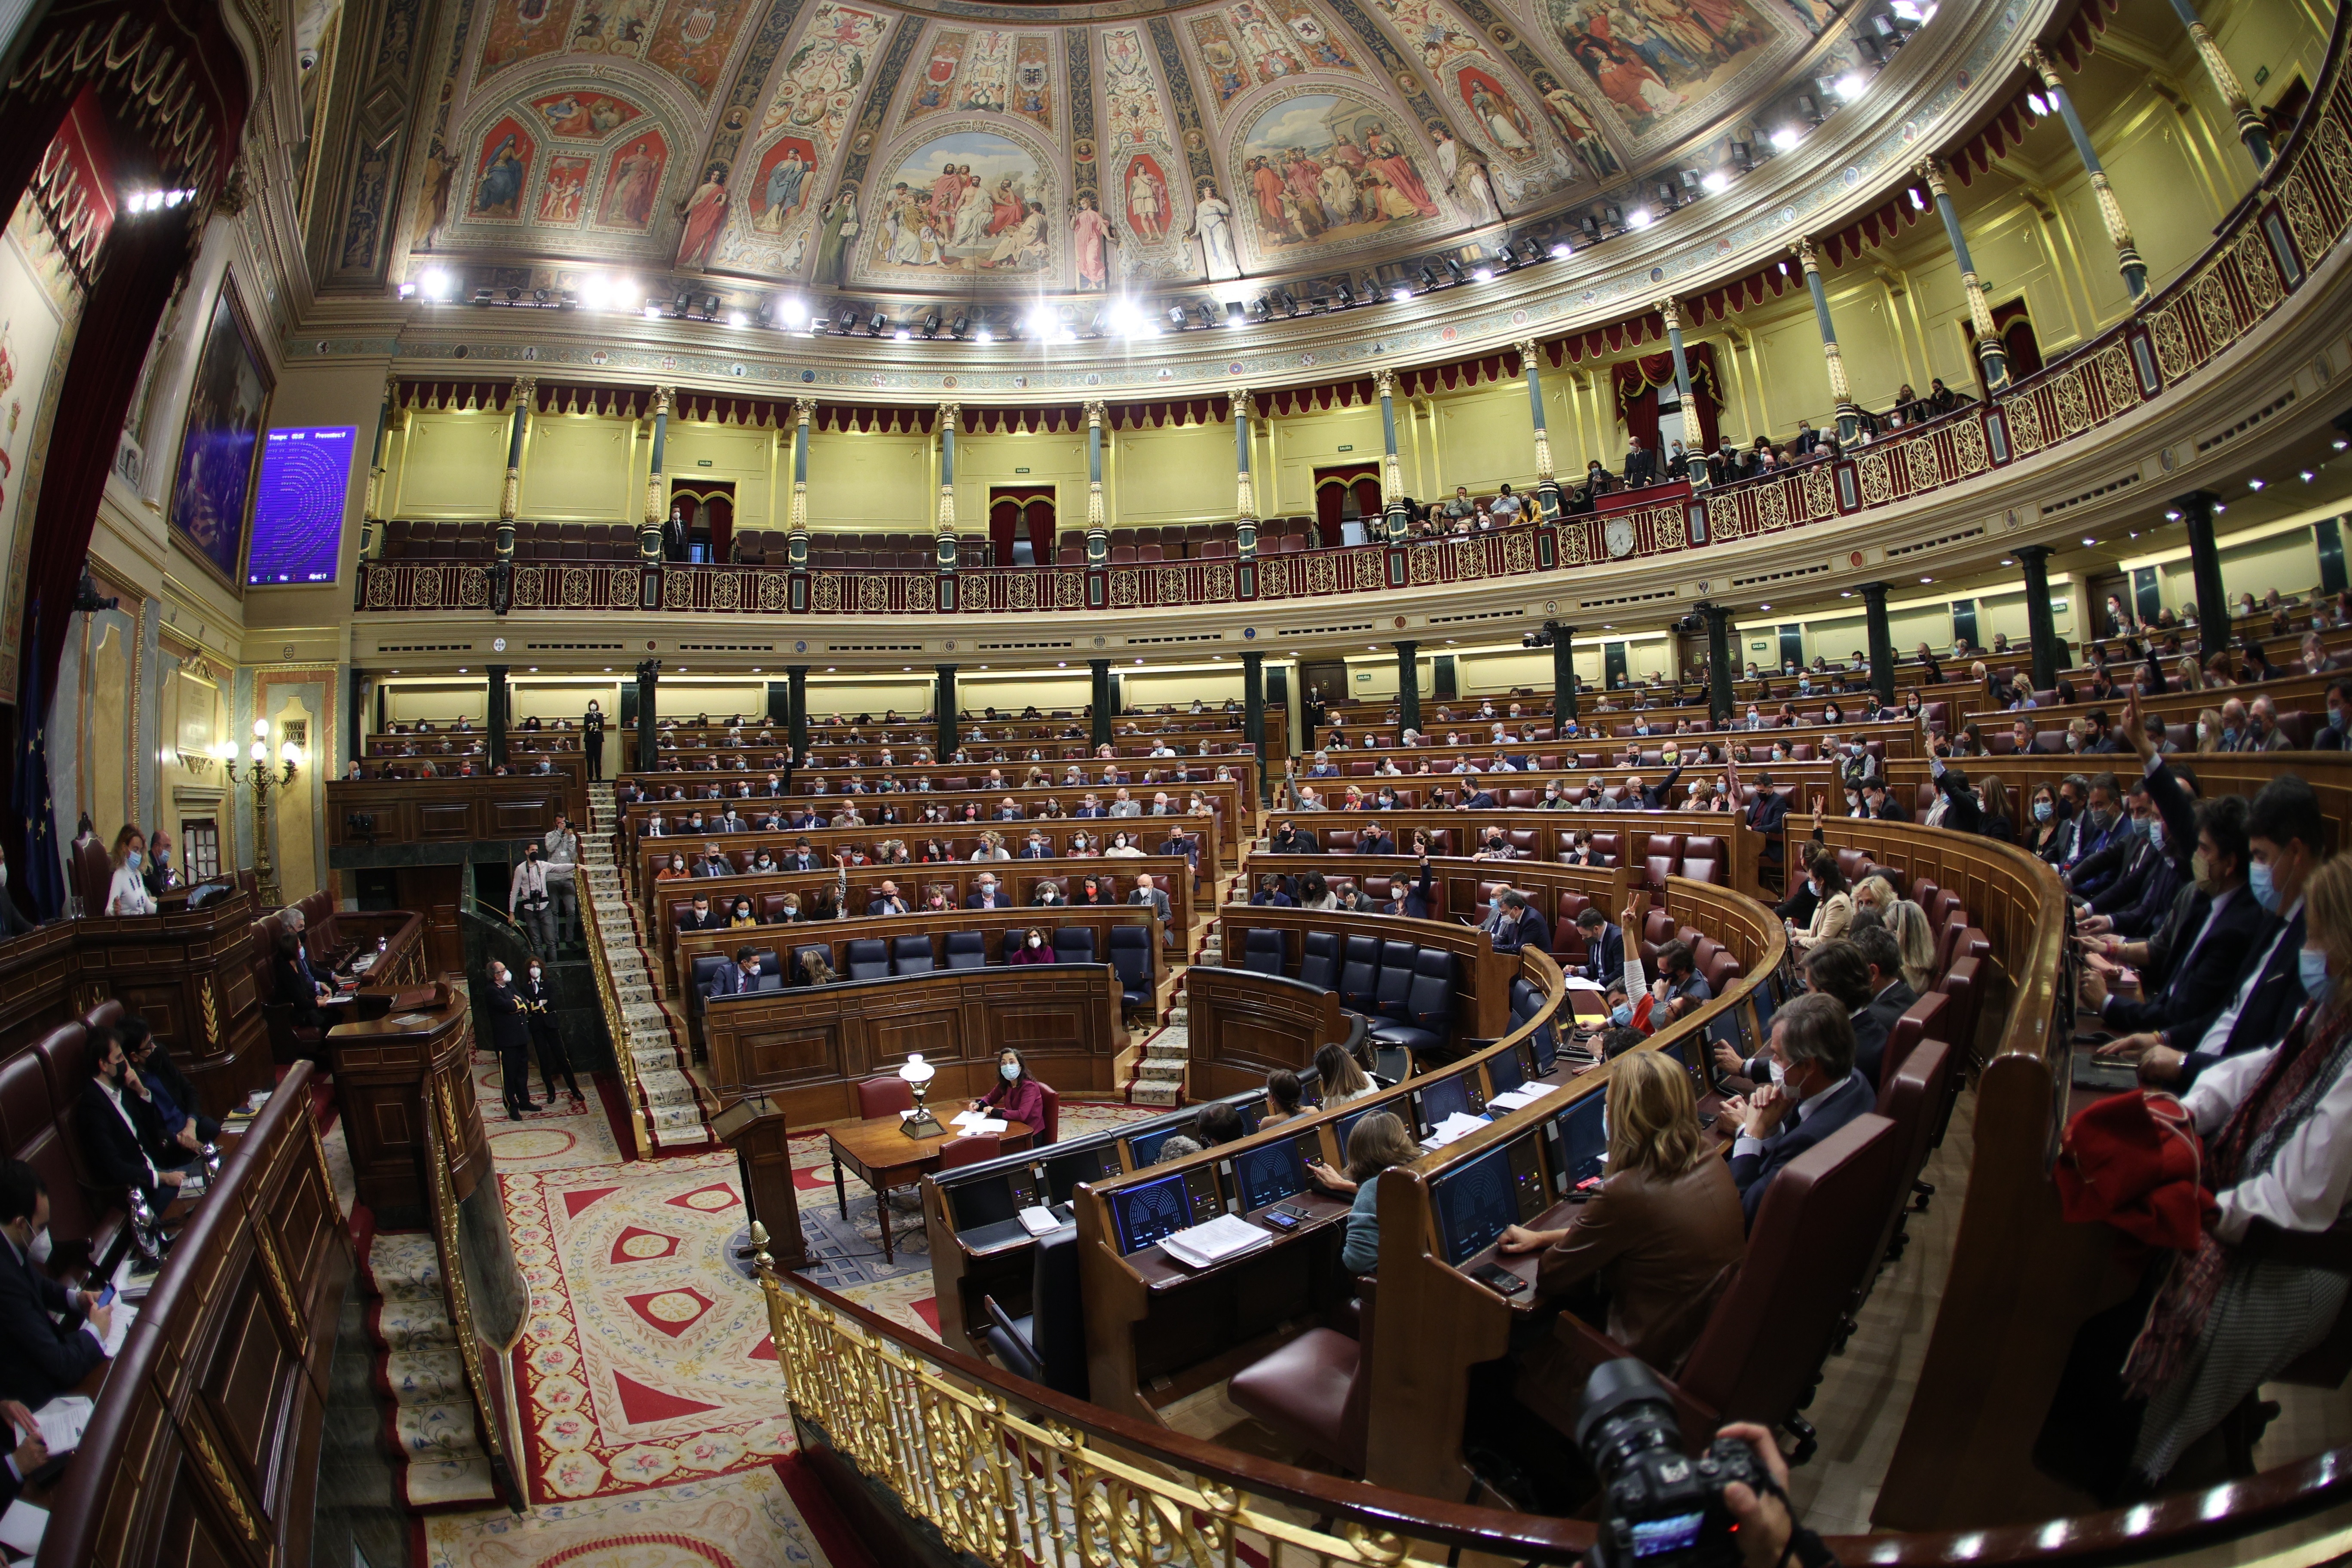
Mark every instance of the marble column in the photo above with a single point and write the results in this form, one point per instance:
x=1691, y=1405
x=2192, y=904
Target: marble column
x=943, y=710
x=2110, y=211
x=1253, y=716
x=1989, y=352
x=2040, y=625
x=1392, y=475
x=1099, y=708
x=1244, y=490
x=648, y=737
x=949, y=414
x=1881, y=636
x=495, y=705
x=2251, y=129
x=1692, y=446
x=796, y=728
x=372, y=509
x=649, y=531
x=1718, y=662
x=510, y=493
x=1547, y=477
x=1098, y=525
x=1563, y=678
x=2196, y=510
x=797, y=543
x=1849, y=417
x=1409, y=685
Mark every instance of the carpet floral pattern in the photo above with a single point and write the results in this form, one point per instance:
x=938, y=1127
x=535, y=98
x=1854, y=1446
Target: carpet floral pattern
x=746, y=1521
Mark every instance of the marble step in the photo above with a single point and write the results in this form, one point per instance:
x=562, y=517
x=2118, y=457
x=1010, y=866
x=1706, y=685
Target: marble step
x=422, y=1325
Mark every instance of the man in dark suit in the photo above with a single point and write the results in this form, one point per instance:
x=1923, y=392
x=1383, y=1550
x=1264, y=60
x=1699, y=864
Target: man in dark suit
x=1513, y=925
x=773, y=789
x=801, y=818
x=511, y=1037
x=1293, y=839
x=1037, y=848
x=987, y=895
x=1090, y=807
x=702, y=917
x=886, y=900
x=50, y=1337
x=165, y=1082
x=1819, y=1093
x=1147, y=895
x=1658, y=797
x=1416, y=899
x=729, y=821
x=1880, y=803
x=695, y=824
x=1641, y=465
x=547, y=1033
x=1475, y=795
x=1372, y=840
x=1865, y=973
x=676, y=537
x=803, y=858
x=2210, y=955
x=1765, y=815
x=740, y=978
x=1605, y=947
x=123, y=1137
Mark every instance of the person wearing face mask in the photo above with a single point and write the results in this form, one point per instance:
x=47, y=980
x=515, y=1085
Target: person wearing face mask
x=740, y=978
x=1511, y=925
x=591, y=740
x=2115, y=877
x=1121, y=848
x=163, y=877
x=1817, y=1092
x=2195, y=963
x=2217, y=1322
x=1833, y=905
x=986, y=894
x=1032, y=946
x=2338, y=734
x=547, y=1035
x=1015, y=1096
x=1046, y=895
x=168, y=1089
x=122, y=1134
x=1647, y=1251
x=50, y=1338
x=127, y=894
x=510, y=1013
x=528, y=899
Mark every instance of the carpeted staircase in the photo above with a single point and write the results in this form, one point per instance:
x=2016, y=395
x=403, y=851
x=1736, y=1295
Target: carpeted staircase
x=647, y=1029
x=433, y=1426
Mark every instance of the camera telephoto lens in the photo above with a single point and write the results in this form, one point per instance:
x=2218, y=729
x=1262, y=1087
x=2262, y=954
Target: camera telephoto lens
x=1626, y=1410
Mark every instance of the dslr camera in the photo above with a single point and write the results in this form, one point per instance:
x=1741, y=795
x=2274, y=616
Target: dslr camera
x=1659, y=1507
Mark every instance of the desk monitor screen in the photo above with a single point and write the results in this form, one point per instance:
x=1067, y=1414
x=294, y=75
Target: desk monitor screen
x=987, y=1200
x=1253, y=1111
x=1505, y=1071
x=1347, y=1124
x=1446, y=1097
x=1692, y=1052
x=1143, y=1148
x=1582, y=1141
x=1149, y=1210
x=1270, y=1175
x=1476, y=1200
x=1095, y=1163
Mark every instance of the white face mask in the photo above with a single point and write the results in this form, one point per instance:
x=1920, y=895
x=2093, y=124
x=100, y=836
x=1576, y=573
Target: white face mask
x=1009, y=1071
x=39, y=1248
x=1036, y=942
x=534, y=971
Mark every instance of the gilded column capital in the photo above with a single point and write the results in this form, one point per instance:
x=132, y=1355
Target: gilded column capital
x=526, y=387
x=2039, y=64
x=662, y=397
x=1931, y=170
x=1528, y=349
x=1097, y=416
x=391, y=389
x=803, y=410
x=1243, y=407
x=949, y=414
x=1807, y=257
x=1385, y=380
x=1673, y=317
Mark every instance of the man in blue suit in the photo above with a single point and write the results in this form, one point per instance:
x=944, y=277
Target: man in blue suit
x=50, y=1337
x=1819, y=1093
x=1604, y=946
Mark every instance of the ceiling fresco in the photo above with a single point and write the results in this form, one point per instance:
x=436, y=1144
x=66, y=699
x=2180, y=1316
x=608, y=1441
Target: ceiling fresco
x=1012, y=149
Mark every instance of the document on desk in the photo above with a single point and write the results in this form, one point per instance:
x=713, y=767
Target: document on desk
x=1527, y=1094
x=61, y=1421
x=1038, y=1220
x=1460, y=1125
x=1206, y=1245
x=978, y=1122
x=125, y=1314
x=21, y=1528
x=1577, y=982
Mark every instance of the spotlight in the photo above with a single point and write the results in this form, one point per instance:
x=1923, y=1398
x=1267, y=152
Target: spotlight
x=1639, y=219
x=484, y=296
x=709, y=306
x=1888, y=33
x=1400, y=294
x=1715, y=181
x=1205, y=313
x=436, y=284
x=1236, y=316
x=1482, y=274
x=682, y=307
x=1560, y=250
x=931, y=325
x=738, y=319
x=1041, y=321
x=1346, y=295
x=847, y=322
x=1289, y=301
x=876, y=324
x=1784, y=138
x=543, y=297
x=1668, y=197
x=957, y=328
x=1529, y=252
x=1176, y=317
x=901, y=335
x=514, y=294
x=1453, y=269
x=1918, y=202
x=1428, y=280
x=1809, y=107
x=2039, y=105
x=983, y=336
x=1850, y=85
x=1743, y=156
x=1591, y=228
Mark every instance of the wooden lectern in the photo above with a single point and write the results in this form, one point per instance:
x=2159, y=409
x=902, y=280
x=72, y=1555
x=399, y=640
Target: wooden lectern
x=755, y=1128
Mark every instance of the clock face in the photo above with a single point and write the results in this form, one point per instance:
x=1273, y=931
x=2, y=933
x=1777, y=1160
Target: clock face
x=1619, y=537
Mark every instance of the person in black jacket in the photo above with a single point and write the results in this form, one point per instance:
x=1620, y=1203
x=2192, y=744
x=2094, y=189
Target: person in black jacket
x=294, y=985
x=151, y=1061
x=1372, y=840
x=122, y=1137
x=50, y=1338
x=511, y=1037
x=1293, y=839
x=591, y=740
x=2208, y=956
x=1765, y=815
x=1605, y=947
x=1514, y=926
x=547, y=1035
x=1416, y=899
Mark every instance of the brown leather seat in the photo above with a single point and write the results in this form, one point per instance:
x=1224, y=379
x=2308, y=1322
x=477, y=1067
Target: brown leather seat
x=878, y=1096
x=1316, y=1390
x=1913, y=1098
x=1770, y=1329
x=1924, y=1019
x=969, y=1150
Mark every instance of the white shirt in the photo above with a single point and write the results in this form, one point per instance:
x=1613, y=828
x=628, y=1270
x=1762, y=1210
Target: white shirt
x=128, y=894
x=1745, y=1145
x=2218, y=1035
x=2306, y=1186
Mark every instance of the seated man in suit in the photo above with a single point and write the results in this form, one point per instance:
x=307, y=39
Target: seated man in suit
x=1148, y=894
x=1037, y=848
x=1292, y=839
x=1512, y=925
x=1880, y=802
x=1890, y=996
x=729, y=821
x=1370, y=840
x=886, y=900
x=122, y=1136
x=803, y=858
x=702, y=917
x=1474, y=797
x=50, y=1337
x=740, y=978
x=987, y=895
x=1819, y=1093
x=2204, y=954
x=1181, y=841
x=714, y=863
x=175, y=1096
x=1605, y=947
x=801, y=818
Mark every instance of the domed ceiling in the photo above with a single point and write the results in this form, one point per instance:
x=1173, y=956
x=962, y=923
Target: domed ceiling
x=966, y=149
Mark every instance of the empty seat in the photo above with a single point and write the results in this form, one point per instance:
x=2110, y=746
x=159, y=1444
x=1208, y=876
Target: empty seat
x=1075, y=944
x=1318, y=962
x=969, y=1150
x=878, y=1096
x=1359, y=970
x=967, y=950
x=912, y=955
x=1262, y=951
x=1316, y=1390
x=1049, y=1345
x=1131, y=960
x=1395, y=982
x=1428, y=1005
x=868, y=958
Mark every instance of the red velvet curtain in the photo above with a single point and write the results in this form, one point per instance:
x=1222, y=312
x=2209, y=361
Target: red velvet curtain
x=1636, y=382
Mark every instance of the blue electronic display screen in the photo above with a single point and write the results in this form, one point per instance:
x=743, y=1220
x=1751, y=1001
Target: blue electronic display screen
x=298, y=507
x=1146, y=1212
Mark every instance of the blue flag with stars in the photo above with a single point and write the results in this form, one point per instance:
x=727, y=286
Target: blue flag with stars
x=43, y=873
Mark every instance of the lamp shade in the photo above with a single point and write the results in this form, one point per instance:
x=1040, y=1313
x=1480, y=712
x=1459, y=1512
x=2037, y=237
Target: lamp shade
x=916, y=1071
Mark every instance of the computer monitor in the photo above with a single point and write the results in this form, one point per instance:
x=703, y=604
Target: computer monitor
x=1149, y=1210
x=1269, y=1173
x=1093, y=1162
x=1582, y=1140
x=1479, y=1198
x=1143, y=1148
x=985, y=1200
x=1252, y=1111
x=1692, y=1052
x=1347, y=1124
x=1444, y=1097
x=1505, y=1071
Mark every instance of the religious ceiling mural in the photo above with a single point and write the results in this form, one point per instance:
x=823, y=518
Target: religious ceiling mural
x=841, y=143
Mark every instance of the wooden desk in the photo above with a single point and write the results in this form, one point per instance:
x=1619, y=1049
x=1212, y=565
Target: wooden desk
x=885, y=1158
x=391, y=1073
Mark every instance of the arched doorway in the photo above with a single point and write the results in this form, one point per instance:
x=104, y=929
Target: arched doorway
x=1022, y=513
x=1349, y=493
x=708, y=506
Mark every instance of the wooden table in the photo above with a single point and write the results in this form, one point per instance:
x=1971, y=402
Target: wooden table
x=886, y=1158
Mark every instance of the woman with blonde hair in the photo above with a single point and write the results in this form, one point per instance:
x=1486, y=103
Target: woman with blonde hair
x=1908, y=922
x=1656, y=1241
x=127, y=894
x=2192, y=678
x=818, y=966
x=1873, y=892
x=2209, y=729
x=992, y=846
x=1339, y=1076
x=1833, y=906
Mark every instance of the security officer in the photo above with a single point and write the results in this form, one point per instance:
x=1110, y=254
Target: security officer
x=554, y=1061
x=511, y=1037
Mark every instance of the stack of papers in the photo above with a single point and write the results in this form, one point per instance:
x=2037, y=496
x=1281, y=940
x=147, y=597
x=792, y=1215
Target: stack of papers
x=21, y=1528
x=125, y=1314
x=1038, y=1220
x=1526, y=1094
x=1577, y=982
x=61, y=1422
x=1206, y=1245
x=1458, y=1125
x=979, y=1121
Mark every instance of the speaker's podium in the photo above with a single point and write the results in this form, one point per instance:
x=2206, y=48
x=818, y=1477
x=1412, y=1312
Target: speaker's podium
x=755, y=1128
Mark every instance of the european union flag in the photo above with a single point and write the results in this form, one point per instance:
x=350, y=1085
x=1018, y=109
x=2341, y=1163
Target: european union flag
x=43, y=872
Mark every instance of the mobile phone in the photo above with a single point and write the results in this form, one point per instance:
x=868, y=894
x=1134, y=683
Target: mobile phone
x=106, y=1296
x=1498, y=1278
x=1280, y=1219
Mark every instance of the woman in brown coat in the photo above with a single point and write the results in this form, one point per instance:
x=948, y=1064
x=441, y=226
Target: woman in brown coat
x=1659, y=1239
